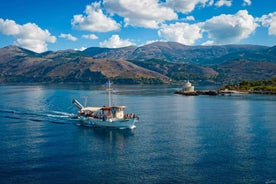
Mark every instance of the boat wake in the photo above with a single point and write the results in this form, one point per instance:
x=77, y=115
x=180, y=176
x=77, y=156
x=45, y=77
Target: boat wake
x=58, y=114
x=56, y=117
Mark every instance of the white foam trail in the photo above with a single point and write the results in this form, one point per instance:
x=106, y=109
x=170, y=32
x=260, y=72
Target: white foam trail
x=58, y=114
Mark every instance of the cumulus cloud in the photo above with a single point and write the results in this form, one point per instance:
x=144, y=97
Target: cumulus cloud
x=68, y=36
x=115, y=42
x=230, y=28
x=181, y=32
x=94, y=20
x=140, y=13
x=9, y=27
x=28, y=35
x=223, y=3
x=185, y=6
x=90, y=36
x=270, y=22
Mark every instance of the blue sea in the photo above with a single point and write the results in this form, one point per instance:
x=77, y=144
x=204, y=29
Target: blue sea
x=179, y=139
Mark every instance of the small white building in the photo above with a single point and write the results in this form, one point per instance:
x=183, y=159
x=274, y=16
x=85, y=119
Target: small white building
x=187, y=87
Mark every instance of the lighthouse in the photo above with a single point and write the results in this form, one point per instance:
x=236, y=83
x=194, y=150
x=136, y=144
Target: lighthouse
x=187, y=87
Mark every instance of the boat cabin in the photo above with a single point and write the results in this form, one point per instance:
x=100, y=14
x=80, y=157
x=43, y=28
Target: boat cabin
x=113, y=111
x=105, y=112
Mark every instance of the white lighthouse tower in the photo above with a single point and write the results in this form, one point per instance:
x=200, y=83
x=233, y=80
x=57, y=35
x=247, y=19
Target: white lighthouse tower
x=187, y=87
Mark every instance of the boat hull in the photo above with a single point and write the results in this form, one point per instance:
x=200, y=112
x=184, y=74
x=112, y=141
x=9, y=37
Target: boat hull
x=118, y=123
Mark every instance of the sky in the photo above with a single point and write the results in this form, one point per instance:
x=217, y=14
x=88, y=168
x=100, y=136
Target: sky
x=79, y=24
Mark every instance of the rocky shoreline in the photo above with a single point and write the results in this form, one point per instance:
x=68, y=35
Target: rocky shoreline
x=222, y=92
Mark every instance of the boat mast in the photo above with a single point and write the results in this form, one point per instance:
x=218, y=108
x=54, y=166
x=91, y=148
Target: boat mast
x=109, y=92
x=85, y=100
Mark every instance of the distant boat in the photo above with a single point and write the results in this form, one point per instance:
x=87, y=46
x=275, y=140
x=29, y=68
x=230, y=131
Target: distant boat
x=106, y=116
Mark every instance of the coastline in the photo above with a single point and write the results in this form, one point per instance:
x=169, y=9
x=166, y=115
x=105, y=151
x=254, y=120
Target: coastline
x=222, y=92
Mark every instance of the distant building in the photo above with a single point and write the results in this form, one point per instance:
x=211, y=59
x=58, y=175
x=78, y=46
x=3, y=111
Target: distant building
x=187, y=87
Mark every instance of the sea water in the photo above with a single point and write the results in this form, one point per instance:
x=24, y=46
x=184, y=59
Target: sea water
x=179, y=139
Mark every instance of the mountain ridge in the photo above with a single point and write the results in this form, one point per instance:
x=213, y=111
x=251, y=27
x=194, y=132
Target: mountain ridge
x=177, y=52
x=158, y=62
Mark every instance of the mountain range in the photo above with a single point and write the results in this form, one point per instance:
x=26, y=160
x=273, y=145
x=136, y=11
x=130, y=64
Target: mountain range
x=158, y=62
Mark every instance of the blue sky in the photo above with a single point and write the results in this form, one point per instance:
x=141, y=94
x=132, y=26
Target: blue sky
x=72, y=24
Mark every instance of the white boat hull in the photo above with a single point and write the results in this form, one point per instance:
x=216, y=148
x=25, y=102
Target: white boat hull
x=118, y=123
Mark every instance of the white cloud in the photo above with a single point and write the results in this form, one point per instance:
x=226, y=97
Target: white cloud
x=94, y=20
x=152, y=41
x=9, y=27
x=270, y=22
x=211, y=3
x=181, y=32
x=80, y=49
x=223, y=3
x=68, y=36
x=90, y=36
x=28, y=35
x=208, y=42
x=190, y=18
x=230, y=28
x=185, y=6
x=246, y=2
x=115, y=42
x=140, y=13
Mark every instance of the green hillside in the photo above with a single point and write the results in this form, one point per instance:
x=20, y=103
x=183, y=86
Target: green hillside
x=259, y=85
